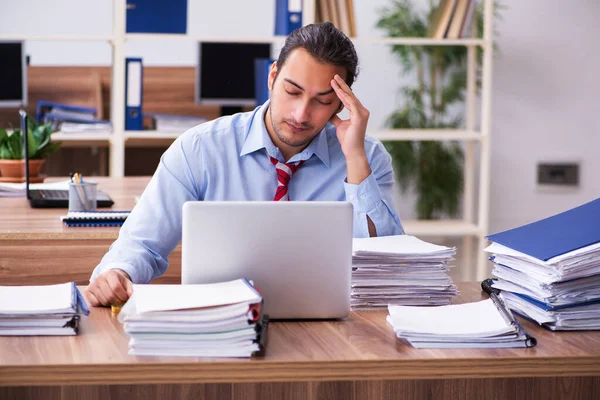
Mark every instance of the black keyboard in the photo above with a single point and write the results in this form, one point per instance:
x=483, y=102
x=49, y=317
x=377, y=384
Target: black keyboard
x=54, y=194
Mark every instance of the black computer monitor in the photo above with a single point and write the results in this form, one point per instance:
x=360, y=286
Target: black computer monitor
x=13, y=74
x=225, y=73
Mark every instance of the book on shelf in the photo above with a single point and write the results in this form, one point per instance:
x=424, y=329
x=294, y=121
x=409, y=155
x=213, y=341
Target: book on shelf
x=59, y=114
x=339, y=12
x=452, y=19
x=92, y=127
x=173, y=123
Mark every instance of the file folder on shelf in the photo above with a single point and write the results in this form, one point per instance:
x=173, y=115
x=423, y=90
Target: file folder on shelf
x=262, y=66
x=157, y=16
x=556, y=235
x=134, y=75
x=288, y=16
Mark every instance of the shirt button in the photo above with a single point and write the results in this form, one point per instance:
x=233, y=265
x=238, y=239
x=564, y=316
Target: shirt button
x=362, y=196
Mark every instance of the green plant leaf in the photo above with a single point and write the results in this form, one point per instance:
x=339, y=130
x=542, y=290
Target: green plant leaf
x=39, y=142
x=15, y=145
x=3, y=136
x=48, y=150
x=433, y=169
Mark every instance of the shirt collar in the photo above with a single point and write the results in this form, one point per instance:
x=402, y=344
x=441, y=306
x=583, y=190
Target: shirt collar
x=258, y=138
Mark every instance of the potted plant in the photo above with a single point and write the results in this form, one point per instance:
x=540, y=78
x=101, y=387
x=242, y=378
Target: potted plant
x=434, y=169
x=12, y=165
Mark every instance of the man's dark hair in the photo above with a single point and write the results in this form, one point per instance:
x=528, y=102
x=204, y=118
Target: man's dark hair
x=326, y=44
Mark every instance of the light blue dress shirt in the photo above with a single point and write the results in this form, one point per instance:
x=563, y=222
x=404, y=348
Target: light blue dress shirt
x=226, y=159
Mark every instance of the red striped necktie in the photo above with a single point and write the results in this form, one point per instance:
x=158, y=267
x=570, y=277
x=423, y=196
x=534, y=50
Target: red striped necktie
x=284, y=174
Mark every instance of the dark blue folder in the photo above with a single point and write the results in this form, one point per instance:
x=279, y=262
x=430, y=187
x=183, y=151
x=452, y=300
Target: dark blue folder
x=288, y=16
x=157, y=16
x=556, y=235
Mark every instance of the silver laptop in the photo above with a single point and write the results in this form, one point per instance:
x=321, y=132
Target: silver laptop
x=299, y=254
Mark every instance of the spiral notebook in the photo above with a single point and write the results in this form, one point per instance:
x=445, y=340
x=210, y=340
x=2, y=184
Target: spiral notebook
x=95, y=218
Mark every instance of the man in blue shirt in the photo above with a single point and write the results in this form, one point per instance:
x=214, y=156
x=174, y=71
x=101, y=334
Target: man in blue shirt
x=292, y=147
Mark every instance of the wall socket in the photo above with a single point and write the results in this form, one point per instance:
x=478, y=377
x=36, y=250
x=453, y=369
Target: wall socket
x=560, y=174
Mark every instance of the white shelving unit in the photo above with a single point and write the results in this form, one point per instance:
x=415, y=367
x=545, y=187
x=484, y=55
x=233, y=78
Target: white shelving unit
x=468, y=228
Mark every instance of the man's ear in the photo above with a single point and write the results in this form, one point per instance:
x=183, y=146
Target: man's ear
x=272, y=75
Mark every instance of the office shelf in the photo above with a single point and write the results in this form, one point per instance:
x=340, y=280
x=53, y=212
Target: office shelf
x=421, y=41
x=78, y=38
x=81, y=137
x=227, y=39
x=444, y=227
x=426, y=134
x=276, y=39
x=149, y=134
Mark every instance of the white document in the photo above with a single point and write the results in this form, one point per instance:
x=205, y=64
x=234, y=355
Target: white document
x=397, y=245
x=47, y=299
x=150, y=298
x=134, y=83
x=478, y=319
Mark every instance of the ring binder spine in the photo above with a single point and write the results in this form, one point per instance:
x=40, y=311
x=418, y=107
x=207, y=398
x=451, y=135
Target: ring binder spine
x=262, y=335
x=493, y=292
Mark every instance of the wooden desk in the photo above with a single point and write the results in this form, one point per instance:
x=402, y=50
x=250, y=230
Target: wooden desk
x=36, y=248
x=358, y=358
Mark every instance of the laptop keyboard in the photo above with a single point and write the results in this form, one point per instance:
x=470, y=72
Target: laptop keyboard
x=54, y=194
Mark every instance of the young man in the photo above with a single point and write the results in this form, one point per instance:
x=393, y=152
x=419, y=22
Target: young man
x=296, y=135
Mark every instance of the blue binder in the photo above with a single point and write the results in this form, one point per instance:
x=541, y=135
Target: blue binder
x=556, y=235
x=157, y=16
x=288, y=16
x=261, y=79
x=134, y=77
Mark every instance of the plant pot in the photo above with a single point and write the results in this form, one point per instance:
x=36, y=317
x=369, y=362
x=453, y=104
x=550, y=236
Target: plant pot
x=16, y=168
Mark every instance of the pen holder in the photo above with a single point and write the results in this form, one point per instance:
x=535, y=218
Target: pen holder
x=82, y=196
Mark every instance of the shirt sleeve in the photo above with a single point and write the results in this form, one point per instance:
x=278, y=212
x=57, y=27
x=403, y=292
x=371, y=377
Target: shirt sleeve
x=153, y=229
x=374, y=197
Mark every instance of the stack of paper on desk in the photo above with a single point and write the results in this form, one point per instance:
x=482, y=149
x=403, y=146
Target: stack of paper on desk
x=18, y=189
x=549, y=270
x=41, y=310
x=400, y=270
x=205, y=320
x=472, y=325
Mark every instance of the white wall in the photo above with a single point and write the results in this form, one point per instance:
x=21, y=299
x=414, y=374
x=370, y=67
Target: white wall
x=545, y=84
x=545, y=106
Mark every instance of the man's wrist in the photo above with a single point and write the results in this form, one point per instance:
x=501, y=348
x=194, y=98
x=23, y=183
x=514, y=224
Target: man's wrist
x=357, y=168
x=122, y=273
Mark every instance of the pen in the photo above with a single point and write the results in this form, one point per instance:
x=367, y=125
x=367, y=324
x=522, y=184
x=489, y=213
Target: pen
x=487, y=287
x=81, y=191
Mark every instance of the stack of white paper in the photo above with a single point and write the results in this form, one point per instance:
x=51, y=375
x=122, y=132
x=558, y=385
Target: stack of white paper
x=471, y=325
x=549, y=270
x=40, y=310
x=18, y=189
x=562, y=293
x=92, y=127
x=400, y=270
x=206, y=320
x=176, y=123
